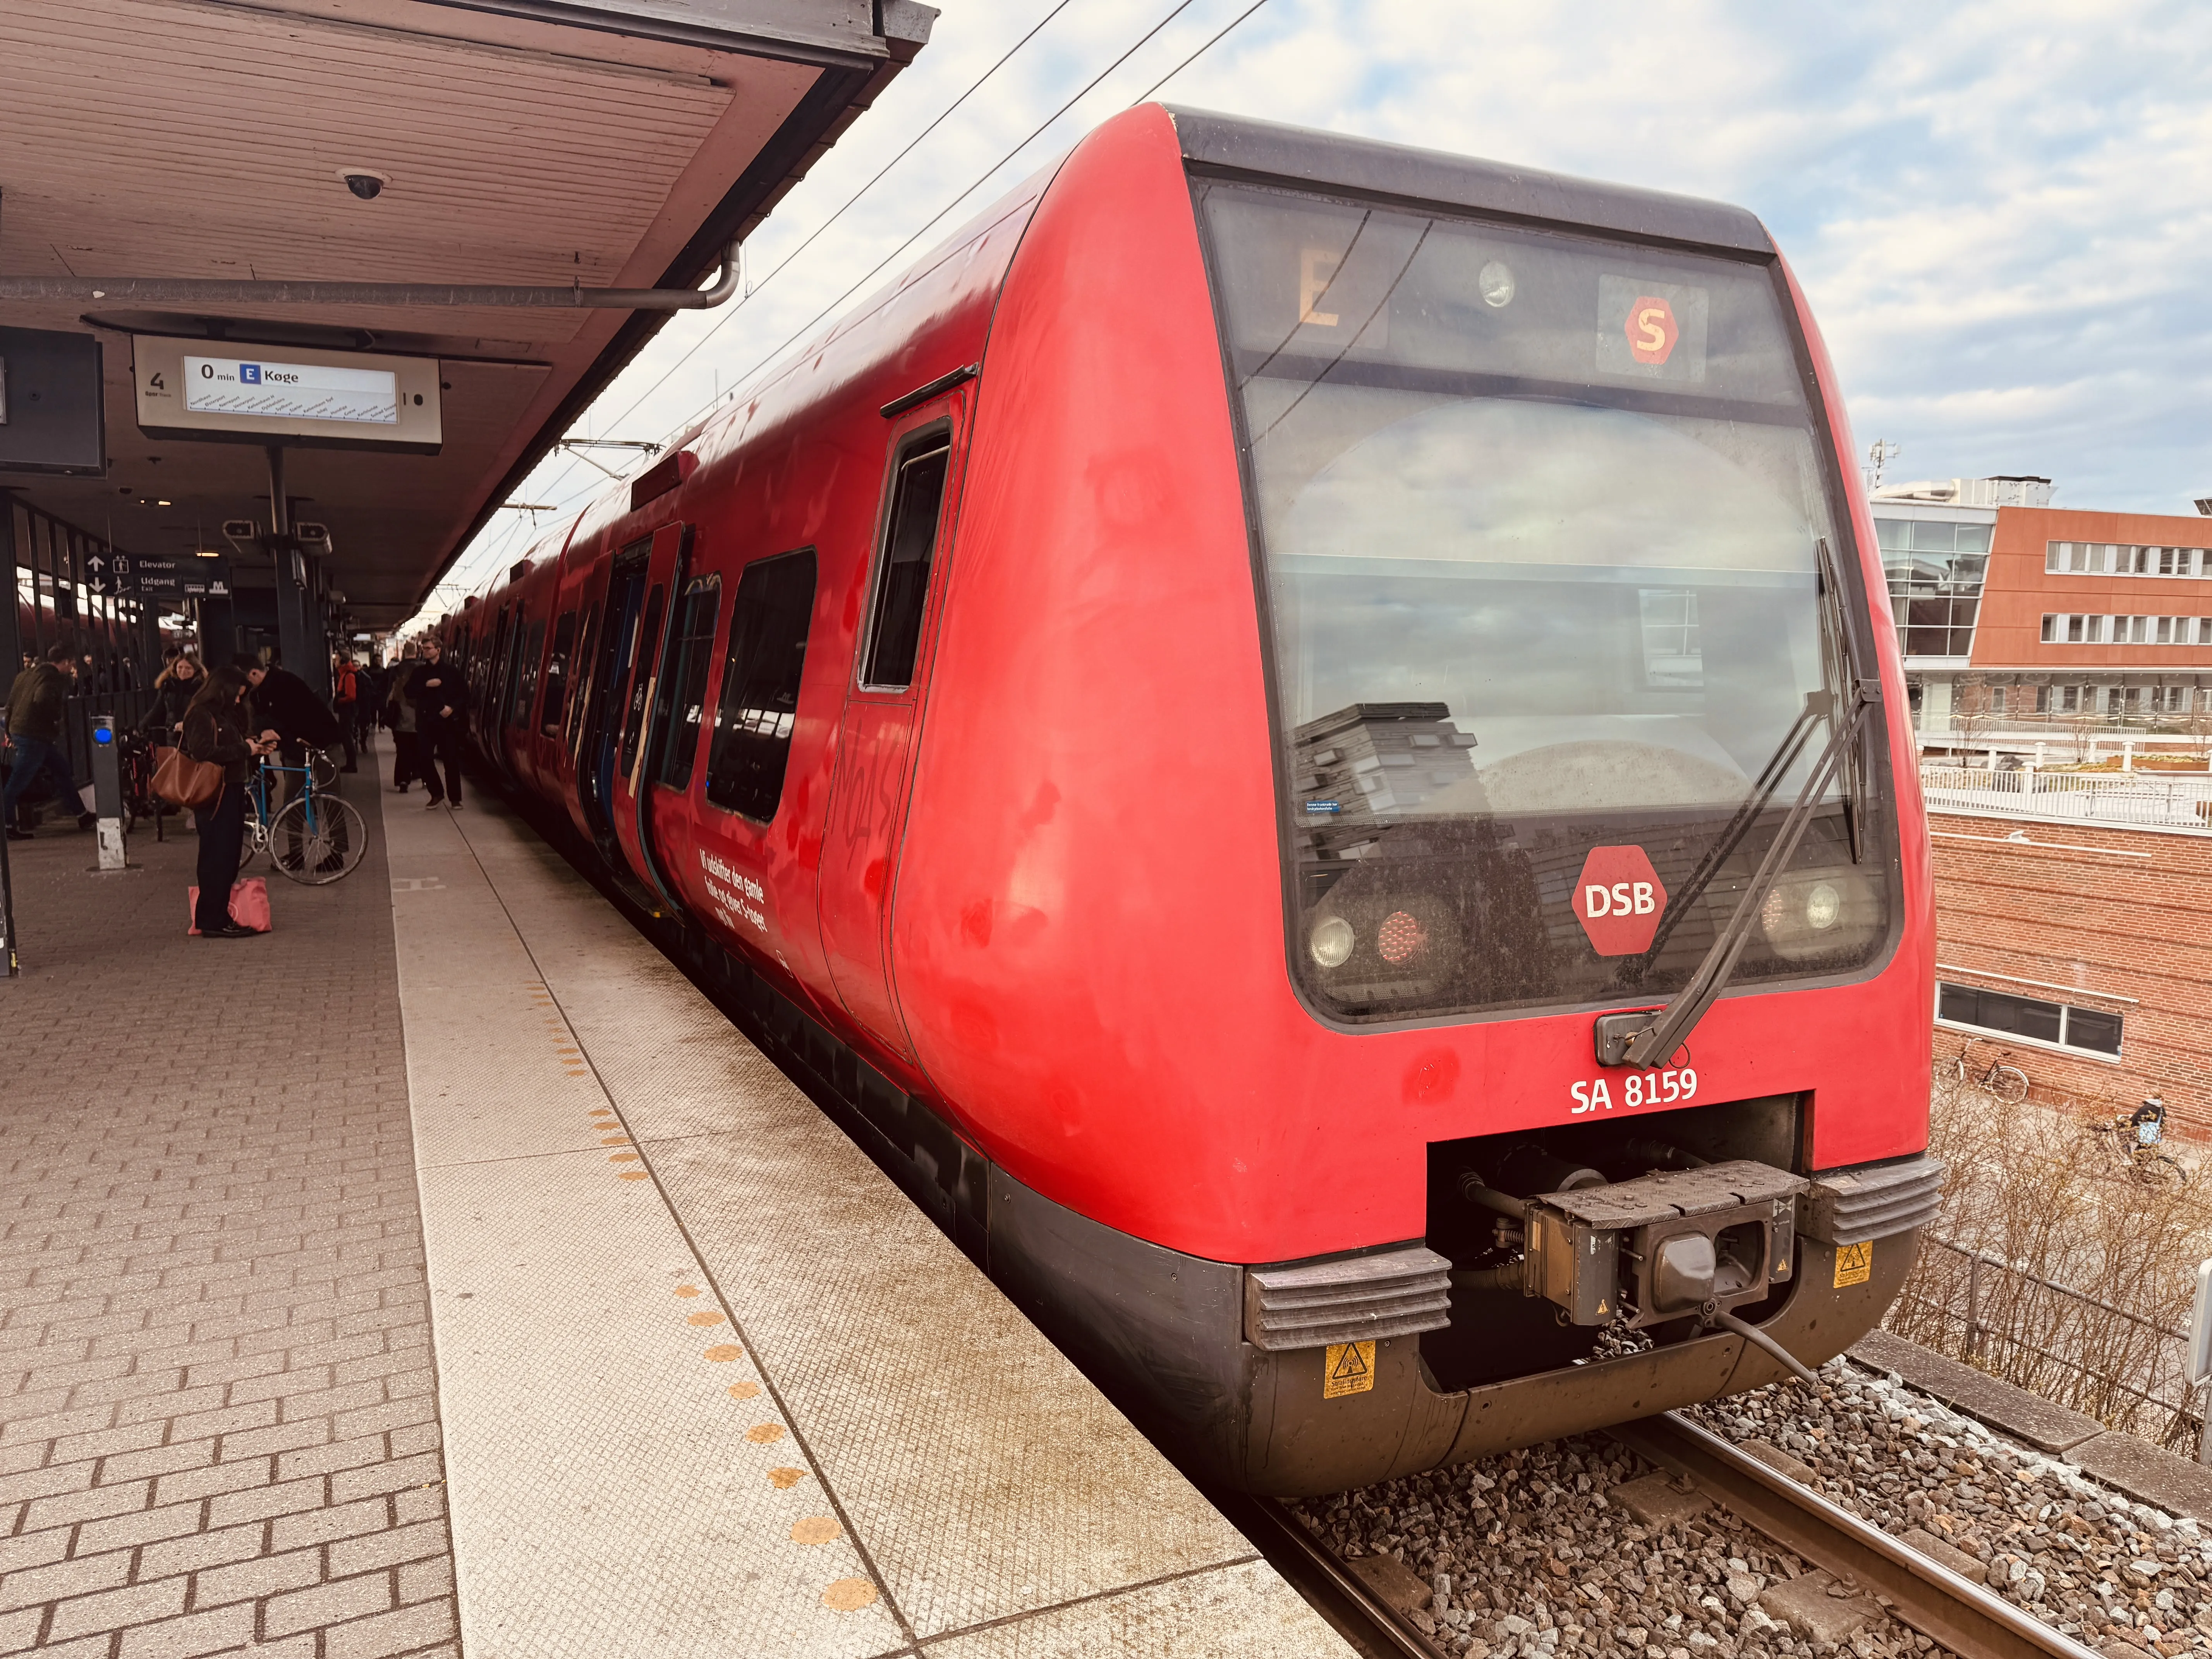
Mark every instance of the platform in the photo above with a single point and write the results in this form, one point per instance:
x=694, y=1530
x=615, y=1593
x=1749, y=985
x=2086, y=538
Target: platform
x=705, y=1382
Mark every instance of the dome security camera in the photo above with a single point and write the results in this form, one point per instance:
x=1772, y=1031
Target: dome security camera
x=364, y=182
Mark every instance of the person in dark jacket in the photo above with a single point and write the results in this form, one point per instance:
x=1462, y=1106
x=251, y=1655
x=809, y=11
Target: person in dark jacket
x=400, y=715
x=286, y=715
x=36, y=705
x=180, y=682
x=215, y=730
x=440, y=697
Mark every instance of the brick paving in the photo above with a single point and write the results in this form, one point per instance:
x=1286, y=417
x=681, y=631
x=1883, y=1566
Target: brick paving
x=218, y=1421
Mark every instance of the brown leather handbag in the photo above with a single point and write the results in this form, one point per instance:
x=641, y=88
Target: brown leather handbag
x=183, y=782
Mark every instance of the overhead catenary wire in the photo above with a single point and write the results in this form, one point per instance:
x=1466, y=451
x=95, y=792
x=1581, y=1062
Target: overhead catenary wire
x=588, y=486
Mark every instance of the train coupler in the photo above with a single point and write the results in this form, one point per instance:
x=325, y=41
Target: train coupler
x=1674, y=1244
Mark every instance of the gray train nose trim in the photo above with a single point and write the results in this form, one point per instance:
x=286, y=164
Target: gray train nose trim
x=1851, y=1207
x=1310, y=1305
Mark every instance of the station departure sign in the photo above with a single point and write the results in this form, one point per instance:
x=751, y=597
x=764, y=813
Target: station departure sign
x=298, y=396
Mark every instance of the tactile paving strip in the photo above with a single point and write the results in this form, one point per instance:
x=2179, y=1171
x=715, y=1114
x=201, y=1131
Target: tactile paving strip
x=622, y=1478
x=997, y=1503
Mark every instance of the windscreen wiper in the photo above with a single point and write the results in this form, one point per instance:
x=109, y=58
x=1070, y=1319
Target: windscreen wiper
x=1648, y=1036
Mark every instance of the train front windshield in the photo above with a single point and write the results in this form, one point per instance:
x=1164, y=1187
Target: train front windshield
x=1541, y=519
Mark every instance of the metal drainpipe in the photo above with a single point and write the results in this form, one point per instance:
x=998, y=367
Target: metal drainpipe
x=182, y=290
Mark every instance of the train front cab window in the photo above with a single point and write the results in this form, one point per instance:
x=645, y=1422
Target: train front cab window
x=1539, y=520
x=770, y=619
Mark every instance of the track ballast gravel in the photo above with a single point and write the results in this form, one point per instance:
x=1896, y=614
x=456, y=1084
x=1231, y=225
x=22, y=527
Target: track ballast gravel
x=1527, y=1559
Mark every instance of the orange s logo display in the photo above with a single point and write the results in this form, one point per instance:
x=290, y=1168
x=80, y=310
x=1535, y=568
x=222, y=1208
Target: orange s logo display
x=1651, y=330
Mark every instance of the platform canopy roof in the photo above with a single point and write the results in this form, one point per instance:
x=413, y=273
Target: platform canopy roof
x=603, y=142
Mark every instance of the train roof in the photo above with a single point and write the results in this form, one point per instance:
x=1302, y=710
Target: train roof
x=1366, y=166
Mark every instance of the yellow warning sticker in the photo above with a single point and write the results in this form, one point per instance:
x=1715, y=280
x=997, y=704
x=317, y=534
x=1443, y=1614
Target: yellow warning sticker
x=1350, y=1369
x=1854, y=1264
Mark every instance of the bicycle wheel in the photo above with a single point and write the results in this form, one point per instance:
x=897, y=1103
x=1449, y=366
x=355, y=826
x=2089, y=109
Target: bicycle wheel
x=318, y=839
x=2009, y=1083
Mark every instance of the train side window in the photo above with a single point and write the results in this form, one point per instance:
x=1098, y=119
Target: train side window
x=683, y=689
x=581, y=680
x=645, y=654
x=556, y=675
x=530, y=644
x=769, y=622
x=902, y=566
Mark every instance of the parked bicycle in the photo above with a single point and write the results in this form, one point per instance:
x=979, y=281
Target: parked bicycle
x=1999, y=1078
x=2137, y=1142
x=314, y=837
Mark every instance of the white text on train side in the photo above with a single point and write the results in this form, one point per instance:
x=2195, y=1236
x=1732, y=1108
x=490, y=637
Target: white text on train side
x=735, y=896
x=1664, y=1087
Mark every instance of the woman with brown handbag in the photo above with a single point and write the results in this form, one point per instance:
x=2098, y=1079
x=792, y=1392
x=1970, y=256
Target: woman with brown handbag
x=214, y=733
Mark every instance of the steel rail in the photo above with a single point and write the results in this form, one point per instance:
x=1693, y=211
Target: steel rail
x=1375, y=1629
x=1962, y=1615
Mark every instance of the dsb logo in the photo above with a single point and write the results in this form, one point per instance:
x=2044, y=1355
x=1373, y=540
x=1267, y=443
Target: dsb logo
x=1619, y=899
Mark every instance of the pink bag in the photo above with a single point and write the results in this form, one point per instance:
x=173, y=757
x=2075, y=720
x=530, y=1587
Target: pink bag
x=249, y=906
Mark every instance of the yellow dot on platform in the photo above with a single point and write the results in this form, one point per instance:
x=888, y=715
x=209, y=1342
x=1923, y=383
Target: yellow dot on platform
x=722, y=1352
x=680, y=1290
x=784, y=1479
x=815, y=1529
x=744, y=1390
x=632, y=1175
x=622, y=1157
x=704, y=1316
x=847, y=1594
x=761, y=1433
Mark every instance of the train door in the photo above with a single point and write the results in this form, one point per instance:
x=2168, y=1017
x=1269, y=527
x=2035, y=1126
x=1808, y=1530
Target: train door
x=867, y=802
x=602, y=724
x=664, y=574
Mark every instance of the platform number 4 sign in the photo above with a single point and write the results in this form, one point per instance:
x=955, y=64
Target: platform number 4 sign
x=1350, y=1369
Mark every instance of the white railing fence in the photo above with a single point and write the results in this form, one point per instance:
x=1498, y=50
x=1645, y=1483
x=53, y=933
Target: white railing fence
x=2139, y=798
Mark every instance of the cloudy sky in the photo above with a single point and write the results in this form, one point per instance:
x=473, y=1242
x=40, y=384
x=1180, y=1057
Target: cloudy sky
x=2002, y=212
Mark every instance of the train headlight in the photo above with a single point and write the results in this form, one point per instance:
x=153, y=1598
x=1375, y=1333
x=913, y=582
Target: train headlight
x=1400, y=938
x=1811, y=915
x=1330, y=942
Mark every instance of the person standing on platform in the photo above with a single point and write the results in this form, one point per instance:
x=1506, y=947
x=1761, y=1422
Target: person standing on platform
x=345, y=701
x=287, y=716
x=440, y=697
x=215, y=730
x=179, y=683
x=37, y=703
x=400, y=715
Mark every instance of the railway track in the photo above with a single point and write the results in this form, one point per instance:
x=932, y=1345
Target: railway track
x=1962, y=1616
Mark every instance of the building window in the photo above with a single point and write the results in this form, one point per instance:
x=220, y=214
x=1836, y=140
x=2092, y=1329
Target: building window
x=2109, y=558
x=1936, y=572
x=2058, y=1024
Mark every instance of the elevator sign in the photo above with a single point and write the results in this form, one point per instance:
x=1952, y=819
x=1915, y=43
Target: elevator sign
x=1618, y=900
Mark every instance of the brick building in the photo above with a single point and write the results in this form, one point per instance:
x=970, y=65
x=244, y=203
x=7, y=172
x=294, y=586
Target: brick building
x=2019, y=621
x=2083, y=948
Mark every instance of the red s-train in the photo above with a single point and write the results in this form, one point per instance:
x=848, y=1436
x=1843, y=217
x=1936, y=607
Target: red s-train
x=1200, y=722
